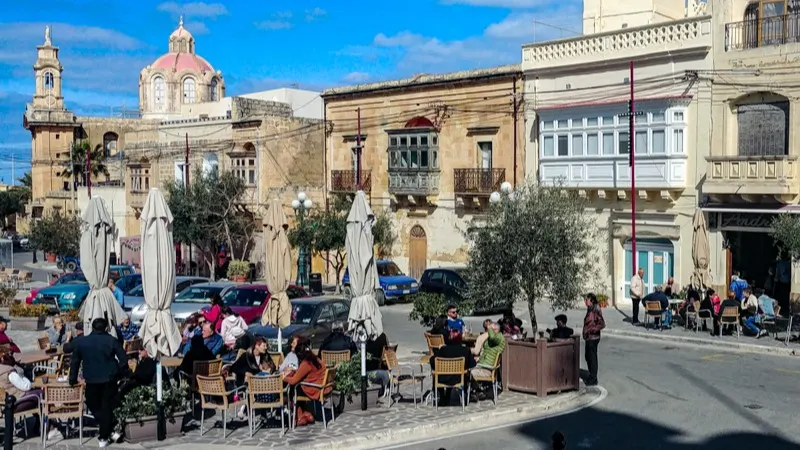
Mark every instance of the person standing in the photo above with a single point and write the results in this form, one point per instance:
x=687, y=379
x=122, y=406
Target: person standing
x=104, y=362
x=637, y=293
x=593, y=324
x=118, y=294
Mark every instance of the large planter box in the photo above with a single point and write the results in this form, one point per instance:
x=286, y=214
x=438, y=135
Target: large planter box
x=542, y=367
x=343, y=405
x=28, y=323
x=147, y=428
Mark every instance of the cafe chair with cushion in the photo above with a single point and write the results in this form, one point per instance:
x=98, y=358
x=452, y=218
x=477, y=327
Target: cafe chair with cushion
x=492, y=378
x=62, y=402
x=449, y=367
x=299, y=396
x=652, y=309
x=333, y=358
x=257, y=389
x=215, y=395
x=20, y=416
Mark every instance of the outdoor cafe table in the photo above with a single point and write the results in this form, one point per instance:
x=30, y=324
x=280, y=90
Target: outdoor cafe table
x=38, y=356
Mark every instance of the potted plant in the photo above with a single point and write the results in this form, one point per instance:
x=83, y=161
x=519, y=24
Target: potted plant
x=6, y=300
x=136, y=414
x=346, y=393
x=28, y=317
x=603, y=299
x=238, y=270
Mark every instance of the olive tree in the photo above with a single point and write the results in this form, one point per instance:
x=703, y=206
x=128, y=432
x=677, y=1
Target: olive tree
x=534, y=245
x=786, y=232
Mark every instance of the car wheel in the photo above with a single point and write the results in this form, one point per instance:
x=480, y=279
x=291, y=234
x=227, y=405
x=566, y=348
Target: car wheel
x=72, y=266
x=346, y=292
x=380, y=298
x=60, y=265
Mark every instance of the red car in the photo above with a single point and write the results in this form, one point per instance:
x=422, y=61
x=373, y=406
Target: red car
x=249, y=300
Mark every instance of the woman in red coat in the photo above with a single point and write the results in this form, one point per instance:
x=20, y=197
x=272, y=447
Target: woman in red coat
x=214, y=313
x=311, y=370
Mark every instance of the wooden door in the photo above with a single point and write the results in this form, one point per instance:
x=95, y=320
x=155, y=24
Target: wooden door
x=418, y=254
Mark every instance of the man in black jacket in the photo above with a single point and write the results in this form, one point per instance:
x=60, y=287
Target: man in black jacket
x=69, y=346
x=104, y=362
x=453, y=349
x=338, y=341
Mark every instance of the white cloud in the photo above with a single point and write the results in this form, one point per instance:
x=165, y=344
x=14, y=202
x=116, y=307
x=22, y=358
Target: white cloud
x=314, y=14
x=516, y=4
x=197, y=28
x=194, y=9
x=273, y=25
x=16, y=34
x=356, y=77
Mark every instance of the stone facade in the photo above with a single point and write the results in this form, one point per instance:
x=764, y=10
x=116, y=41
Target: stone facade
x=434, y=148
x=577, y=93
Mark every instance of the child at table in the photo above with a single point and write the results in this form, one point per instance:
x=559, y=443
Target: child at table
x=268, y=368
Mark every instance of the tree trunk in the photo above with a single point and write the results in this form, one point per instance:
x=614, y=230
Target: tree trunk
x=532, y=312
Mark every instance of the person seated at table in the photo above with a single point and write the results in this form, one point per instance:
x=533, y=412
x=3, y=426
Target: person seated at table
x=196, y=350
x=663, y=300
x=4, y=339
x=452, y=349
x=27, y=397
x=454, y=323
x=691, y=303
x=233, y=326
x=749, y=305
x=375, y=369
x=492, y=349
x=509, y=324
x=250, y=361
x=291, y=360
x=439, y=326
x=311, y=370
x=767, y=305
x=59, y=334
x=211, y=340
x=77, y=336
x=478, y=347
x=127, y=330
x=190, y=328
x=562, y=331
x=338, y=340
x=213, y=314
x=730, y=302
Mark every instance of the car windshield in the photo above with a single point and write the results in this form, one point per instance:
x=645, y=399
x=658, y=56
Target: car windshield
x=303, y=313
x=197, y=294
x=245, y=297
x=69, y=278
x=389, y=270
x=138, y=291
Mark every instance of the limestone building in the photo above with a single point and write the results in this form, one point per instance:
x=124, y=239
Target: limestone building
x=434, y=148
x=576, y=99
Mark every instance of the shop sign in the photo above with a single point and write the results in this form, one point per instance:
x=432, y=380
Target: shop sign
x=740, y=220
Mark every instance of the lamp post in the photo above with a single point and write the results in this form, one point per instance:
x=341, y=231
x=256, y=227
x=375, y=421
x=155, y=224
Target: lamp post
x=301, y=205
x=505, y=190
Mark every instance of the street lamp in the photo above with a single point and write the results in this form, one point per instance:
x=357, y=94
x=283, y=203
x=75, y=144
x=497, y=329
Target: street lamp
x=302, y=205
x=505, y=190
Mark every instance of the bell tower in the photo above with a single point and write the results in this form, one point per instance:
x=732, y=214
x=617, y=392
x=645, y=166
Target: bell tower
x=48, y=69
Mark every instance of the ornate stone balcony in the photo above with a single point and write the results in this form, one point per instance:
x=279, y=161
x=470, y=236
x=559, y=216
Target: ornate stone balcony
x=344, y=181
x=414, y=182
x=137, y=199
x=680, y=36
x=752, y=177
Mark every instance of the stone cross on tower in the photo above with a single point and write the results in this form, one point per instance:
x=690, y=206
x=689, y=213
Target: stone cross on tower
x=47, y=40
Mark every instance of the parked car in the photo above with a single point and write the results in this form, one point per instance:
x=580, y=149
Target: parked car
x=395, y=285
x=64, y=296
x=65, y=278
x=249, y=300
x=129, y=282
x=312, y=317
x=135, y=297
x=450, y=282
x=188, y=302
x=118, y=271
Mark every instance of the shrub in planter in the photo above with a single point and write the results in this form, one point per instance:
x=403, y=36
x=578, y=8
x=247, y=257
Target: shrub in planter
x=428, y=306
x=136, y=414
x=238, y=270
x=28, y=317
x=347, y=385
x=6, y=300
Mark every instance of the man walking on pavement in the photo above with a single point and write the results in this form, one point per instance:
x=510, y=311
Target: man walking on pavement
x=637, y=293
x=104, y=362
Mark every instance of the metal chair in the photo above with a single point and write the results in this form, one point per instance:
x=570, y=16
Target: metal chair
x=257, y=386
x=19, y=415
x=327, y=384
x=492, y=378
x=653, y=310
x=398, y=375
x=449, y=367
x=729, y=316
x=62, y=402
x=333, y=358
x=211, y=388
x=435, y=342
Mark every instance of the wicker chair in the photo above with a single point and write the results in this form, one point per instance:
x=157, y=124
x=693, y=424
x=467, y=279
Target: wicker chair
x=205, y=368
x=256, y=386
x=492, y=378
x=43, y=342
x=64, y=403
x=214, y=395
x=334, y=358
x=330, y=377
x=449, y=367
x=435, y=342
x=401, y=374
x=729, y=316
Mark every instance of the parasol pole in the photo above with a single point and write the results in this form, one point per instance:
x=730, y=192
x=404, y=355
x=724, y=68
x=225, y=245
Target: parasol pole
x=161, y=426
x=363, y=372
x=280, y=338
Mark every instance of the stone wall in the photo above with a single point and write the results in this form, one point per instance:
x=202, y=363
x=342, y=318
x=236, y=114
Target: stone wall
x=248, y=108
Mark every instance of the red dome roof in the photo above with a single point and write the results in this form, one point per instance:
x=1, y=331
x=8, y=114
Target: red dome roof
x=419, y=122
x=182, y=61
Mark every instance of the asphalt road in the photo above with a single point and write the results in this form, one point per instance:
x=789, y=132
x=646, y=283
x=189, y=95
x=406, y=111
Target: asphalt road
x=666, y=397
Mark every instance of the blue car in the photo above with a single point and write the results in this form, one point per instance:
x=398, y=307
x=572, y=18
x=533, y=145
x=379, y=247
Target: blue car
x=395, y=285
x=64, y=296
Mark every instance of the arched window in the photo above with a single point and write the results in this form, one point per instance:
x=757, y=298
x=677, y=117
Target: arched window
x=110, y=140
x=159, y=92
x=189, y=90
x=763, y=125
x=49, y=81
x=213, y=90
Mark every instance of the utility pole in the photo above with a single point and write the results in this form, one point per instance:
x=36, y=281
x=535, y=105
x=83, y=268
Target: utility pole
x=358, y=151
x=13, y=171
x=186, y=189
x=516, y=112
x=631, y=115
x=88, y=154
x=74, y=186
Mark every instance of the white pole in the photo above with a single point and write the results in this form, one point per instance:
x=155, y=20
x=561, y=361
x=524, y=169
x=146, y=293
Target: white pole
x=280, y=338
x=159, y=388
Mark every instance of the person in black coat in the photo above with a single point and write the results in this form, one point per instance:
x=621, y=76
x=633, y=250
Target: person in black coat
x=338, y=341
x=104, y=362
x=453, y=348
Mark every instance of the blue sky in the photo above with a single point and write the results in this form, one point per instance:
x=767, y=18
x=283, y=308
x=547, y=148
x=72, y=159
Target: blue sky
x=258, y=45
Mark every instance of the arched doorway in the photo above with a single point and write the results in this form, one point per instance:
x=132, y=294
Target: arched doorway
x=418, y=253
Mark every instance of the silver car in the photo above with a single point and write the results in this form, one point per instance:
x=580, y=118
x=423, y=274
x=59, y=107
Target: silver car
x=135, y=297
x=189, y=301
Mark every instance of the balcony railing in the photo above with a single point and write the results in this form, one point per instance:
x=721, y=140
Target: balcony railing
x=762, y=32
x=478, y=181
x=752, y=175
x=413, y=182
x=343, y=181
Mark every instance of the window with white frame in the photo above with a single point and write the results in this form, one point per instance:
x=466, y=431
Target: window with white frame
x=140, y=179
x=159, y=92
x=245, y=170
x=189, y=90
x=659, y=131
